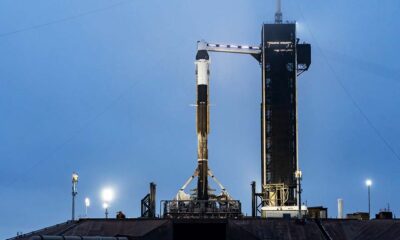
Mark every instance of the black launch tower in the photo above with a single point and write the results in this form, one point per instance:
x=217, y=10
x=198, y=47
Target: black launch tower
x=283, y=58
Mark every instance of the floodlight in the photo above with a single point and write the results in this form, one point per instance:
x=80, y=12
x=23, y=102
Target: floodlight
x=107, y=195
x=368, y=182
x=74, y=177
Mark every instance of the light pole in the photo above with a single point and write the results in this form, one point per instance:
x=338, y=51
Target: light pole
x=87, y=204
x=107, y=195
x=74, y=192
x=298, y=175
x=105, y=206
x=368, y=182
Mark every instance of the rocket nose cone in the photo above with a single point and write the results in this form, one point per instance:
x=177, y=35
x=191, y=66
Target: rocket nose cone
x=202, y=54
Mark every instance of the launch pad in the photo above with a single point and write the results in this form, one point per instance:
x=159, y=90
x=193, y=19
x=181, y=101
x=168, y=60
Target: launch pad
x=282, y=59
x=277, y=211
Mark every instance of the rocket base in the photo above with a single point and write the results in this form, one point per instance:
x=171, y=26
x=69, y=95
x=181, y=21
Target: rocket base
x=189, y=206
x=198, y=209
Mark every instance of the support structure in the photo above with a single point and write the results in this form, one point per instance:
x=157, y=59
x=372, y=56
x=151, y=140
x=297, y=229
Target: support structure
x=148, y=203
x=257, y=201
x=253, y=199
x=283, y=60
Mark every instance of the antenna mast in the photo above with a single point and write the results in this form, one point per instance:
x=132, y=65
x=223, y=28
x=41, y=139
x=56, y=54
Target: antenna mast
x=278, y=14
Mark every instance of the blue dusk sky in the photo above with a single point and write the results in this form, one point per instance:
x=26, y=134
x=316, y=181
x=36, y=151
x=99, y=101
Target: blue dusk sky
x=105, y=87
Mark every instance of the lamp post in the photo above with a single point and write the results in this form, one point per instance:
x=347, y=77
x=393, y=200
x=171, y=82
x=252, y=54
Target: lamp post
x=368, y=182
x=105, y=206
x=298, y=175
x=107, y=195
x=87, y=205
x=74, y=193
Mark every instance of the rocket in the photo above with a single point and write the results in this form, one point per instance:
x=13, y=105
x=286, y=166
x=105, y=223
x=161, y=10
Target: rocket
x=202, y=121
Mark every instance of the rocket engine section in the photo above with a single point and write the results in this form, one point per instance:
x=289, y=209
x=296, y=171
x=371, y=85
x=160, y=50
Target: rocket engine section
x=202, y=122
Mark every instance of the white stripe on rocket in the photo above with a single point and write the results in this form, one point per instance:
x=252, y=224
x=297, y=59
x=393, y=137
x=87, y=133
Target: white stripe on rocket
x=202, y=71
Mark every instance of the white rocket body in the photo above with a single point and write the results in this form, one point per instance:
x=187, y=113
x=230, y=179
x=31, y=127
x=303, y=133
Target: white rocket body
x=202, y=119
